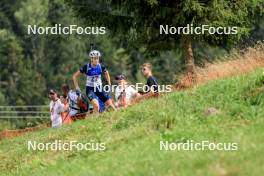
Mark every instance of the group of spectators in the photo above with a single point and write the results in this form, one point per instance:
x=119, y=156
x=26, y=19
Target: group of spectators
x=72, y=104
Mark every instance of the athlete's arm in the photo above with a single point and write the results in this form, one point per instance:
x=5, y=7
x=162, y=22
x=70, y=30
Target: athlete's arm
x=75, y=79
x=107, y=77
x=106, y=74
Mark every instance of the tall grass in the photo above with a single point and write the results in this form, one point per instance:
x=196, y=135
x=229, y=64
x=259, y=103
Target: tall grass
x=238, y=62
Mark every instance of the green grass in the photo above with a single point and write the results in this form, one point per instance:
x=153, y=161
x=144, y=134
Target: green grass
x=132, y=136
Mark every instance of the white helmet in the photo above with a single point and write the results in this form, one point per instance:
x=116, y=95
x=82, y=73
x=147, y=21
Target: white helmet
x=94, y=53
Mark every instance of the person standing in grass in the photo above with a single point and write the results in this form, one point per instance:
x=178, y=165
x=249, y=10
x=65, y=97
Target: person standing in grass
x=56, y=108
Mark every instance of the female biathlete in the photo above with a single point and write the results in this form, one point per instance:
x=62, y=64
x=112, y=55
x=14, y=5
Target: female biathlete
x=93, y=72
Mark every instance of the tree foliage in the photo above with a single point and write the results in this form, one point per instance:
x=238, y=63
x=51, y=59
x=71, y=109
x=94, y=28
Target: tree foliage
x=139, y=21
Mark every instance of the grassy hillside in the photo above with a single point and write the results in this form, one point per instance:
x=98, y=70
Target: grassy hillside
x=133, y=136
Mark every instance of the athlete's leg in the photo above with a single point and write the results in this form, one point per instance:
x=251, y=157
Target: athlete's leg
x=110, y=105
x=105, y=98
x=95, y=104
x=92, y=97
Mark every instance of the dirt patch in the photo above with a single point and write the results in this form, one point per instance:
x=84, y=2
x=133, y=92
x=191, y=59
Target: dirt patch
x=14, y=133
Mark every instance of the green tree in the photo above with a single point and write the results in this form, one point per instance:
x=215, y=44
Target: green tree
x=258, y=29
x=139, y=21
x=32, y=13
x=11, y=63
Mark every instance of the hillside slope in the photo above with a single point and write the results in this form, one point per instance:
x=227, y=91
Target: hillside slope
x=229, y=110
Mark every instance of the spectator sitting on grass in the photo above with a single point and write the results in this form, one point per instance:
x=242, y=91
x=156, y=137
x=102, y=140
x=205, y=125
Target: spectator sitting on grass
x=124, y=93
x=152, y=84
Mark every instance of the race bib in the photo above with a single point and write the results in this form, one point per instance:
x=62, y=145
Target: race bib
x=94, y=80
